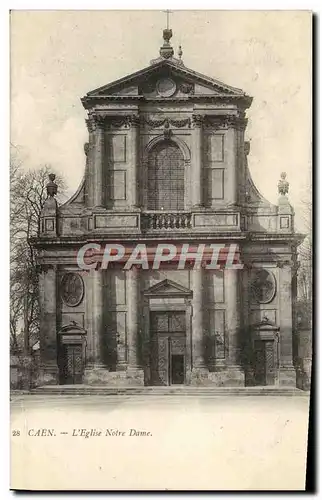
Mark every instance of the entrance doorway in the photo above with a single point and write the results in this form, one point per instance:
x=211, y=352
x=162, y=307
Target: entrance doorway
x=265, y=362
x=72, y=363
x=168, y=347
x=177, y=369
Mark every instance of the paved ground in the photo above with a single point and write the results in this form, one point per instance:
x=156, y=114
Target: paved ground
x=159, y=442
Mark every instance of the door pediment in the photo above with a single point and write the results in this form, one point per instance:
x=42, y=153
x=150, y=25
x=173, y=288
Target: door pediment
x=265, y=330
x=167, y=288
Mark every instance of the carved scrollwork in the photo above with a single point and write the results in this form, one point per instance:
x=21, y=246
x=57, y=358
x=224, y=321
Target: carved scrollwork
x=90, y=123
x=133, y=120
x=198, y=120
x=108, y=121
x=225, y=122
x=99, y=121
x=186, y=88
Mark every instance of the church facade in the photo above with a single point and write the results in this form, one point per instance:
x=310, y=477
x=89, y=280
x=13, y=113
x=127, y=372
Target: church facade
x=166, y=163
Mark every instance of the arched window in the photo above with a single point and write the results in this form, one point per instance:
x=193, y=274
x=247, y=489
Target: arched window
x=166, y=177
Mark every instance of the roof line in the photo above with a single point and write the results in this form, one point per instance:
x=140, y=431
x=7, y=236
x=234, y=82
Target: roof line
x=179, y=69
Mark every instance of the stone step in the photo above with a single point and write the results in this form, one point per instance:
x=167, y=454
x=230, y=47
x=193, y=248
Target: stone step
x=168, y=391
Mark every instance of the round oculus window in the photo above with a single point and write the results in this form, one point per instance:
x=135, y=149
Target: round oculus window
x=166, y=87
x=72, y=287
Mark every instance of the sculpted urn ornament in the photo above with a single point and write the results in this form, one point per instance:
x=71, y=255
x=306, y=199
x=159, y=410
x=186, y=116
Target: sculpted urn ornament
x=283, y=185
x=166, y=50
x=51, y=186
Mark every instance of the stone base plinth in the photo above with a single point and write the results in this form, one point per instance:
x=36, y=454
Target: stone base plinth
x=48, y=375
x=102, y=376
x=287, y=376
x=199, y=376
x=230, y=377
x=227, y=377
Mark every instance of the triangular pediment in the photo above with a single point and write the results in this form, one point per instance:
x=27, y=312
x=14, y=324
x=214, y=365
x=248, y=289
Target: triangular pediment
x=155, y=81
x=168, y=288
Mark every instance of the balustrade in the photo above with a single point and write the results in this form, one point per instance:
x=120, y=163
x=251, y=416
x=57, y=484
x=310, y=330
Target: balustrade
x=165, y=220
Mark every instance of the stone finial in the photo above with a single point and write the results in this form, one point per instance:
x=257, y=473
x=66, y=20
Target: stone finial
x=283, y=185
x=51, y=186
x=166, y=50
x=180, y=53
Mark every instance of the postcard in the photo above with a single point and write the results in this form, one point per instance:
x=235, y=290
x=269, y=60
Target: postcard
x=161, y=267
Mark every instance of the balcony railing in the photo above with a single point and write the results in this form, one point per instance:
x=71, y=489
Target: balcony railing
x=166, y=220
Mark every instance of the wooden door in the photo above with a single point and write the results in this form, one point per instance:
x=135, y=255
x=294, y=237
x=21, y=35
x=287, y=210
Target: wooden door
x=260, y=375
x=177, y=369
x=265, y=362
x=165, y=326
x=73, y=364
x=270, y=362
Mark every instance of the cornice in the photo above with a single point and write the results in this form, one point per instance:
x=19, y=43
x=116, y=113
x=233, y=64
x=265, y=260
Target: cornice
x=106, y=120
x=89, y=101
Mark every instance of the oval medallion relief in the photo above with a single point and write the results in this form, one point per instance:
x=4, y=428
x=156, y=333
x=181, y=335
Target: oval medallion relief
x=72, y=289
x=263, y=286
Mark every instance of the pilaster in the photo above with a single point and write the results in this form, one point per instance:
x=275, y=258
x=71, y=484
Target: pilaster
x=199, y=372
x=98, y=162
x=196, y=161
x=235, y=373
x=287, y=375
x=132, y=293
x=132, y=184
x=96, y=372
x=48, y=325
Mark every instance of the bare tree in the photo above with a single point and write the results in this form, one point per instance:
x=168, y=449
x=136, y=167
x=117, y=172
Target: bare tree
x=305, y=258
x=27, y=196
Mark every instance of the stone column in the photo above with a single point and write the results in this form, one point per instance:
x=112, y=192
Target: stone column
x=99, y=160
x=96, y=372
x=90, y=337
x=97, y=318
x=135, y=374
x=89, y=173
x=287, y=375
x=132, y=317
x=196, y=161
x=235, y=374
x=132, y=182
x=231, y=161
x=48, y=325
x=199, y=371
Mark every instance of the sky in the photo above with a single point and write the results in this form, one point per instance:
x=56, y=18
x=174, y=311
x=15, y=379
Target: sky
x=58, y=56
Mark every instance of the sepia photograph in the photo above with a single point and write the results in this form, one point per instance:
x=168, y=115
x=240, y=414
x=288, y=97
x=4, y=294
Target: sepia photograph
x=160, y=249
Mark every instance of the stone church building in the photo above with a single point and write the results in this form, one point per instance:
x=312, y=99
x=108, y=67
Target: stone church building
x=166, y=161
